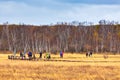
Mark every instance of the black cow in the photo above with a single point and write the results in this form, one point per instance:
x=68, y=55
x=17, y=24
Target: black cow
x=88, y=54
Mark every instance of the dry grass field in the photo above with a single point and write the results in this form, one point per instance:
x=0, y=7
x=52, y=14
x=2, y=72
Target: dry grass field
x=82, y=68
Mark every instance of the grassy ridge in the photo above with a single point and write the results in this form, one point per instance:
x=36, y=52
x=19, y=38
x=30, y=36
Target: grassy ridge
x=51, y=70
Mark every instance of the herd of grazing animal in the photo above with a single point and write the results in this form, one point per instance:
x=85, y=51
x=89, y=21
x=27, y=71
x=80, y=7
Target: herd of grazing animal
x=88, y=54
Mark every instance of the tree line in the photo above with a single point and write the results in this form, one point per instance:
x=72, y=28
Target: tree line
x=60, y=37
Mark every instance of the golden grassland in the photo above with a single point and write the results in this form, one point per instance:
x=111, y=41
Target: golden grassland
x=61, y=70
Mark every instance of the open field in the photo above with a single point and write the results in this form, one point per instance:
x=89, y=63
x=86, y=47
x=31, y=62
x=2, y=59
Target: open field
x=82, y=68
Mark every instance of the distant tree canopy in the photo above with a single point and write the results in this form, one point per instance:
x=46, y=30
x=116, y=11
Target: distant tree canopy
x=104, y=37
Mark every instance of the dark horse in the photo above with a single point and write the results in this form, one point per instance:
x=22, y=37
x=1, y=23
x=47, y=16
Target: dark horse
x=88, y=54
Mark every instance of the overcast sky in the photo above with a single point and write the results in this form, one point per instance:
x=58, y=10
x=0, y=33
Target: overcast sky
x=51, y=11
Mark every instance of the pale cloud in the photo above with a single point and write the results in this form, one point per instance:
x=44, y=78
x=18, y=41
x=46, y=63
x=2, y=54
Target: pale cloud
x=96, y=12
x=21, y=12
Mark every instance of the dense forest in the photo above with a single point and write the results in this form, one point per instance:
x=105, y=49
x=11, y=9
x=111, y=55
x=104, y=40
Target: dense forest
x=66, y=37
